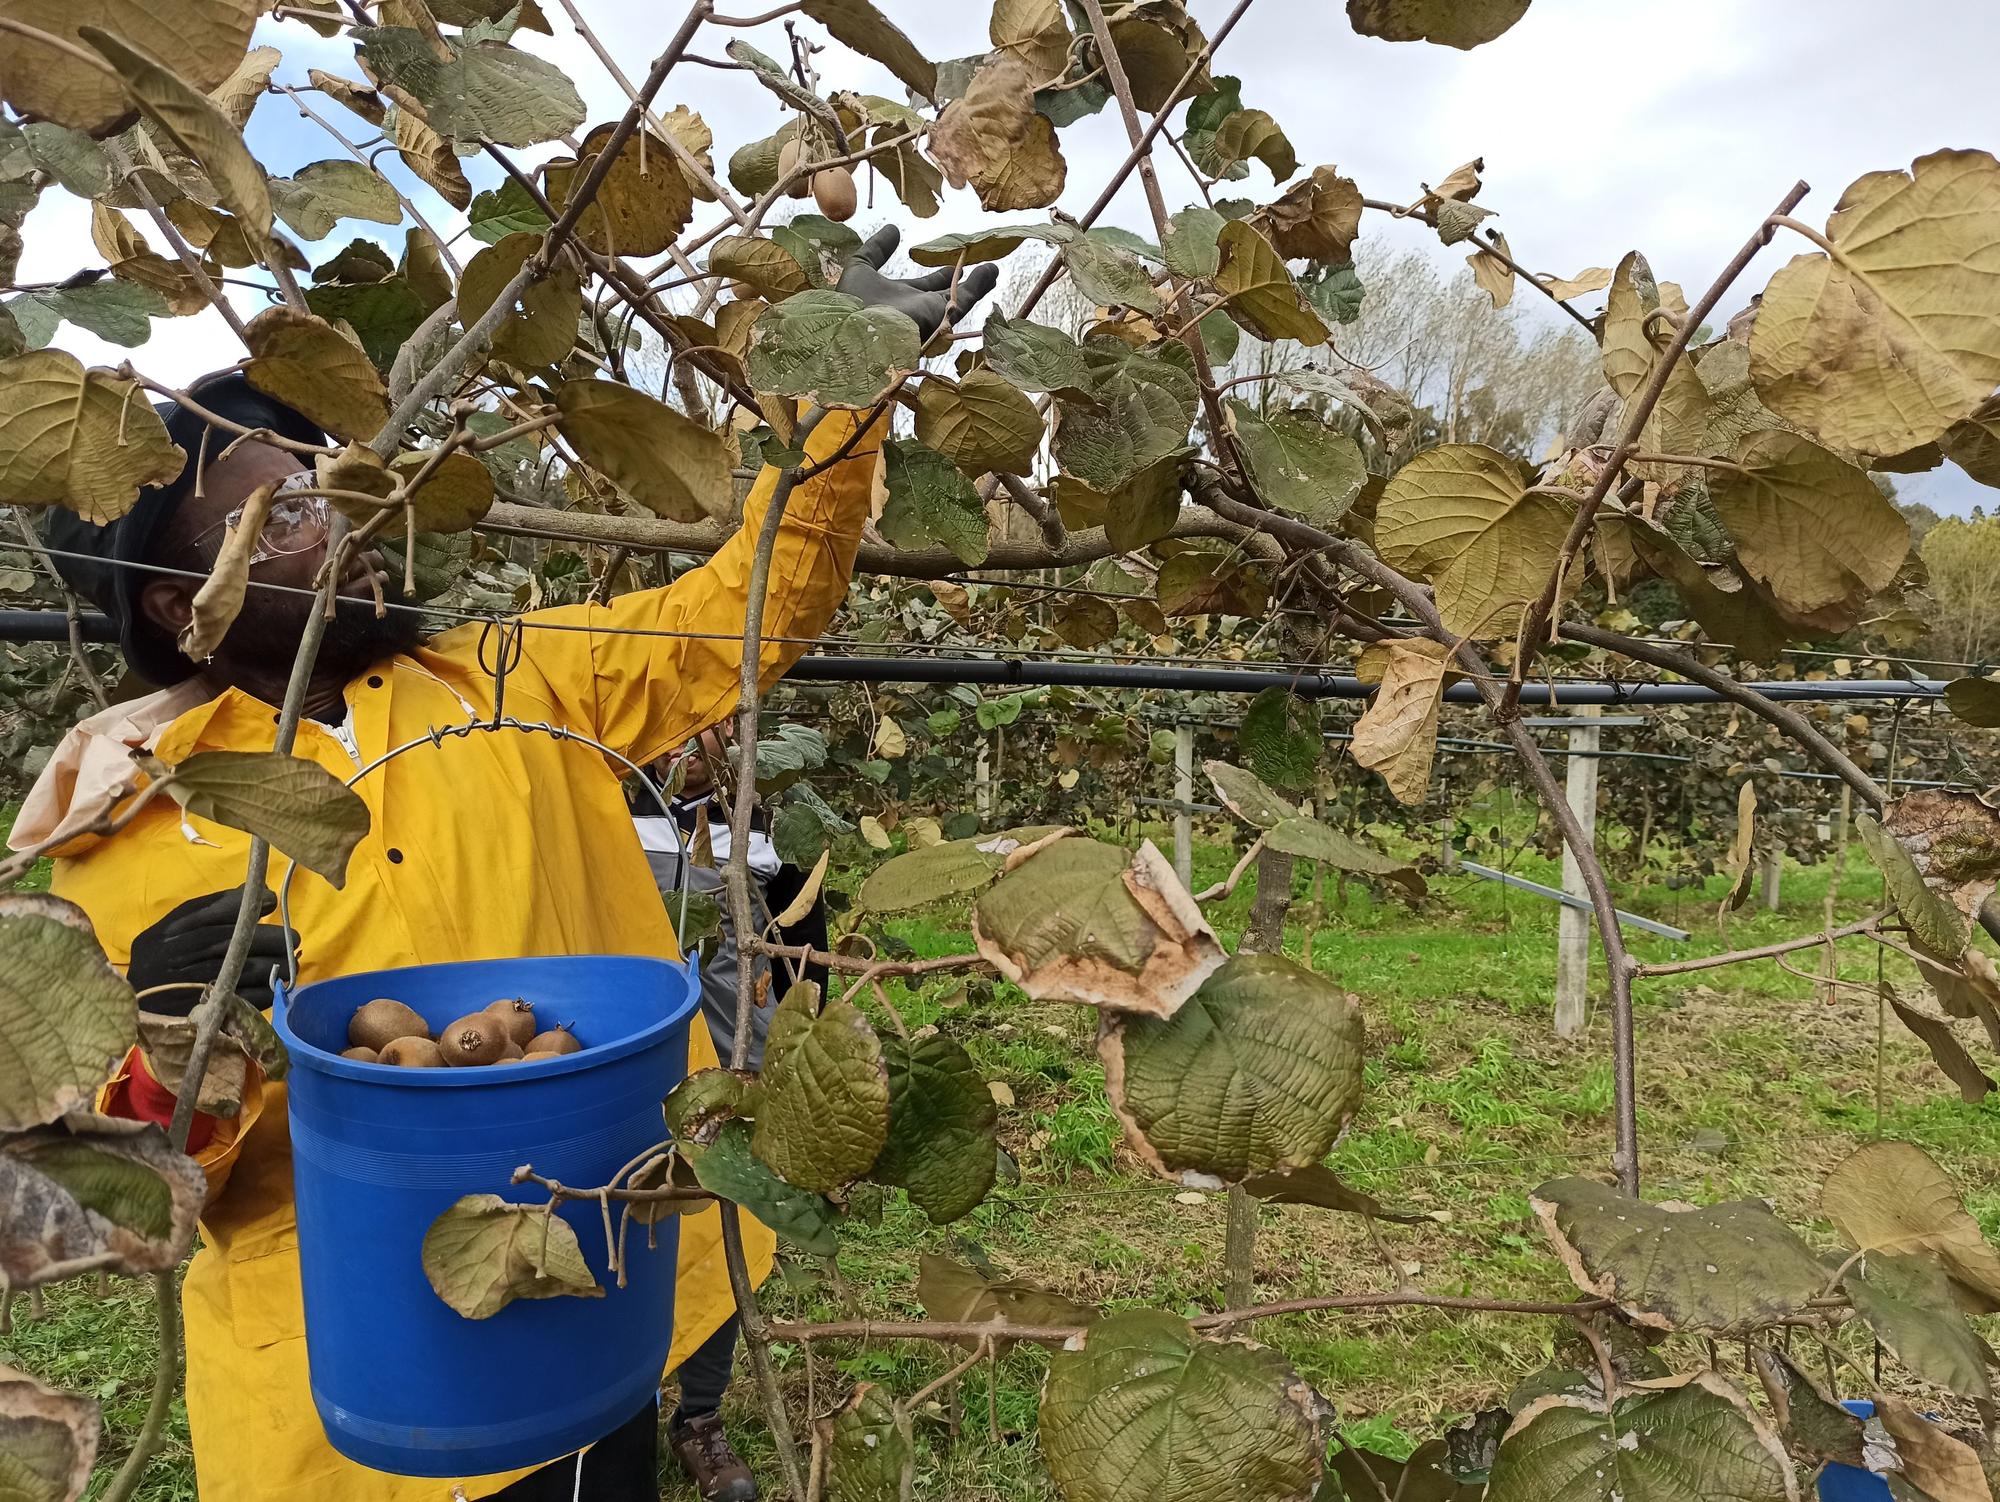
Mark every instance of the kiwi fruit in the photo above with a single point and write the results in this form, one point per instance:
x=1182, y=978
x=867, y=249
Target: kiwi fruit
x=364, y=1055
x=517, y=1019
x=382, y=1021
x=413, y=1053
x=476, y=1038
x=790, y=156
x=511, y=1052
x=536, y=1053
x=833, y=191
x=555, y=1040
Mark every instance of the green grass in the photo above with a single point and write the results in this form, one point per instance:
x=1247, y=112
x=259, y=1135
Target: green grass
x=1749, y=1083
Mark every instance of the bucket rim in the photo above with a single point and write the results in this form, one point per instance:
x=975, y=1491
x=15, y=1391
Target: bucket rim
x=318, y=1060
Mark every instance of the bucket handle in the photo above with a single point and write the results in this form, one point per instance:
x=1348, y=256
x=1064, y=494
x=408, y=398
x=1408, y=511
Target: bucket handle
x=437, y=735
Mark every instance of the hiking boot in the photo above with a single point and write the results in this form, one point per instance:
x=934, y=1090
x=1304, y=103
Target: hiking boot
x=714, y=1467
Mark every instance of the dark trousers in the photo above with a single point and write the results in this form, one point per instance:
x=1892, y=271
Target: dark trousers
x=624, y=1465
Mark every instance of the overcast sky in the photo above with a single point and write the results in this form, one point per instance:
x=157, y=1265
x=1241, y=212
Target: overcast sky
x=1669, y=126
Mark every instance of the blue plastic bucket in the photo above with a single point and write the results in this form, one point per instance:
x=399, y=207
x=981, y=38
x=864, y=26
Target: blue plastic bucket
x=402, y=1382
x=1849, y=1483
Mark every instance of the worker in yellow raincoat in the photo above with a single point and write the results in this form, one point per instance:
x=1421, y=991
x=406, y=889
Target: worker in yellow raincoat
x=486, y=847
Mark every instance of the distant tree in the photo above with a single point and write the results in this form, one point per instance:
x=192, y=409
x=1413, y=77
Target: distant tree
x=1963, y=556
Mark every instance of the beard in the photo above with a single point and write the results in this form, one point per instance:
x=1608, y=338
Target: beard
x=266, y=633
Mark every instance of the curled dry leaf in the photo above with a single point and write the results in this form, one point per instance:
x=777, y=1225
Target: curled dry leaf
x=1741, y=861
x=220, y=599
x=94, y=1191
x=484, y=1253
x=1318, y=218
x=1464, y=24
x=1719, y=1269
x=1247, y=796
x=992, y=140
x=49, y=1438
x=78, y=438
x=66, y=1017
x=1397, y=734
x=1077, y=920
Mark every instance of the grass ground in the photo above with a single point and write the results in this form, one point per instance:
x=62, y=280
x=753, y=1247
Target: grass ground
x=1749, y=1084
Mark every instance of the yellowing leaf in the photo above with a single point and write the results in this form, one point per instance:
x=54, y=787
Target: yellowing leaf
x=201, y=40
x=193, y=123
x=1035, y=32
x=1397, y=734
x=1892, y=1197
x=1742, y=849
x=761, y=264
x=220, y=599
x=1260, y=292
x=1809, y=525
x=430, y=156
x=860, y=25
x=890, y=741
x=237, y=95
x=1628, y=352
x=456, y=493
x=643, y=203
x=1494, y=276
x=77, y=438
x=1461, y=517
x=873, y=832
x=304, y=362
x=992, y=140
x=1888, y=343
x=986, y=424
x=302, y=809
x=544, y=331
x=483, y=1253
x=662, y=458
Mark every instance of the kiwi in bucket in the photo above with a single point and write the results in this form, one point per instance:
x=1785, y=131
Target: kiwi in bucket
x=382, y=1021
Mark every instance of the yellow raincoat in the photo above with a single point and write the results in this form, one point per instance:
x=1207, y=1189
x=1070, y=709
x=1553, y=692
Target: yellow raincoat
x=486, y=847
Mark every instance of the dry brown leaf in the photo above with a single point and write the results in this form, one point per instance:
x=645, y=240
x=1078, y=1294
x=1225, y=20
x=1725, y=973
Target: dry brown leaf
x=992, y=140
x=1397, y=734
x=220, y=598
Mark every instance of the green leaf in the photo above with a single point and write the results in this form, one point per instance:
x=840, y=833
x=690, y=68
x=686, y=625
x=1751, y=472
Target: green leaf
x=860, y=25
x=994, y=243
x=1309, y=839
x=1191, y=246
x=1114, y=1407
x=825, y=1110
x=48, y=1439
x=1425, y=1477
x=1317, y=1185
x=1816, y=1429
x=871, y=1456
x=384, y=314
x=1976, y=701
x=1242, y=137
x=1142, y=510
x=1720, y=1269
x=1939, y=853
x=482, y=92
x=671, y=464
x=820, y=245
x=1081, y=921
x=1297, y=463
x=1335, y=291
x=118, y=312
x=1108, y=275
x=952, y=1293
x=832, y=348
x=1037, y=358
x=1261, y=294
x=1280, y=739
x=919, y=877
x=1907, y=1302
x=69, y=156
x=483, y=1253
x=1891, y=1197
x=1694, y=1442
x=66, y=1017
x=1260, y=1069
x=763, y=265
x=729, y=1169
x=94, y=1187
x=931, y=503
x=503, y=211
x=1247, y=796
x=321, y=194
x=1138, y=411
x=1450, y=23
x=942, y=1120
x=985, y=424
x=302, y=809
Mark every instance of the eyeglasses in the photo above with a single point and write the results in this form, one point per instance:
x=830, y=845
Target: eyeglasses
x=295, y=523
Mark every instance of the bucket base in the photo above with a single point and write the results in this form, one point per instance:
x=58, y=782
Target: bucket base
x=402, y=1451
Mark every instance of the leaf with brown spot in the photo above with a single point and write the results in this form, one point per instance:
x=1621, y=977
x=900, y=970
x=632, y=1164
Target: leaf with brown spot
x=94, y=1187
x=1939, y=852
x=643, y=203
x=992, y=140
x=66, y=1017
x=48, y=1438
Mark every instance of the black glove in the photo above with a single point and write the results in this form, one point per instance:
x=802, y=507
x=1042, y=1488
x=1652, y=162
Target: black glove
x=184, y=950
x=928, y=301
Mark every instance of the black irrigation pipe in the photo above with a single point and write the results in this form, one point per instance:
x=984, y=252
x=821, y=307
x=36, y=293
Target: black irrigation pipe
x=53, y=626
